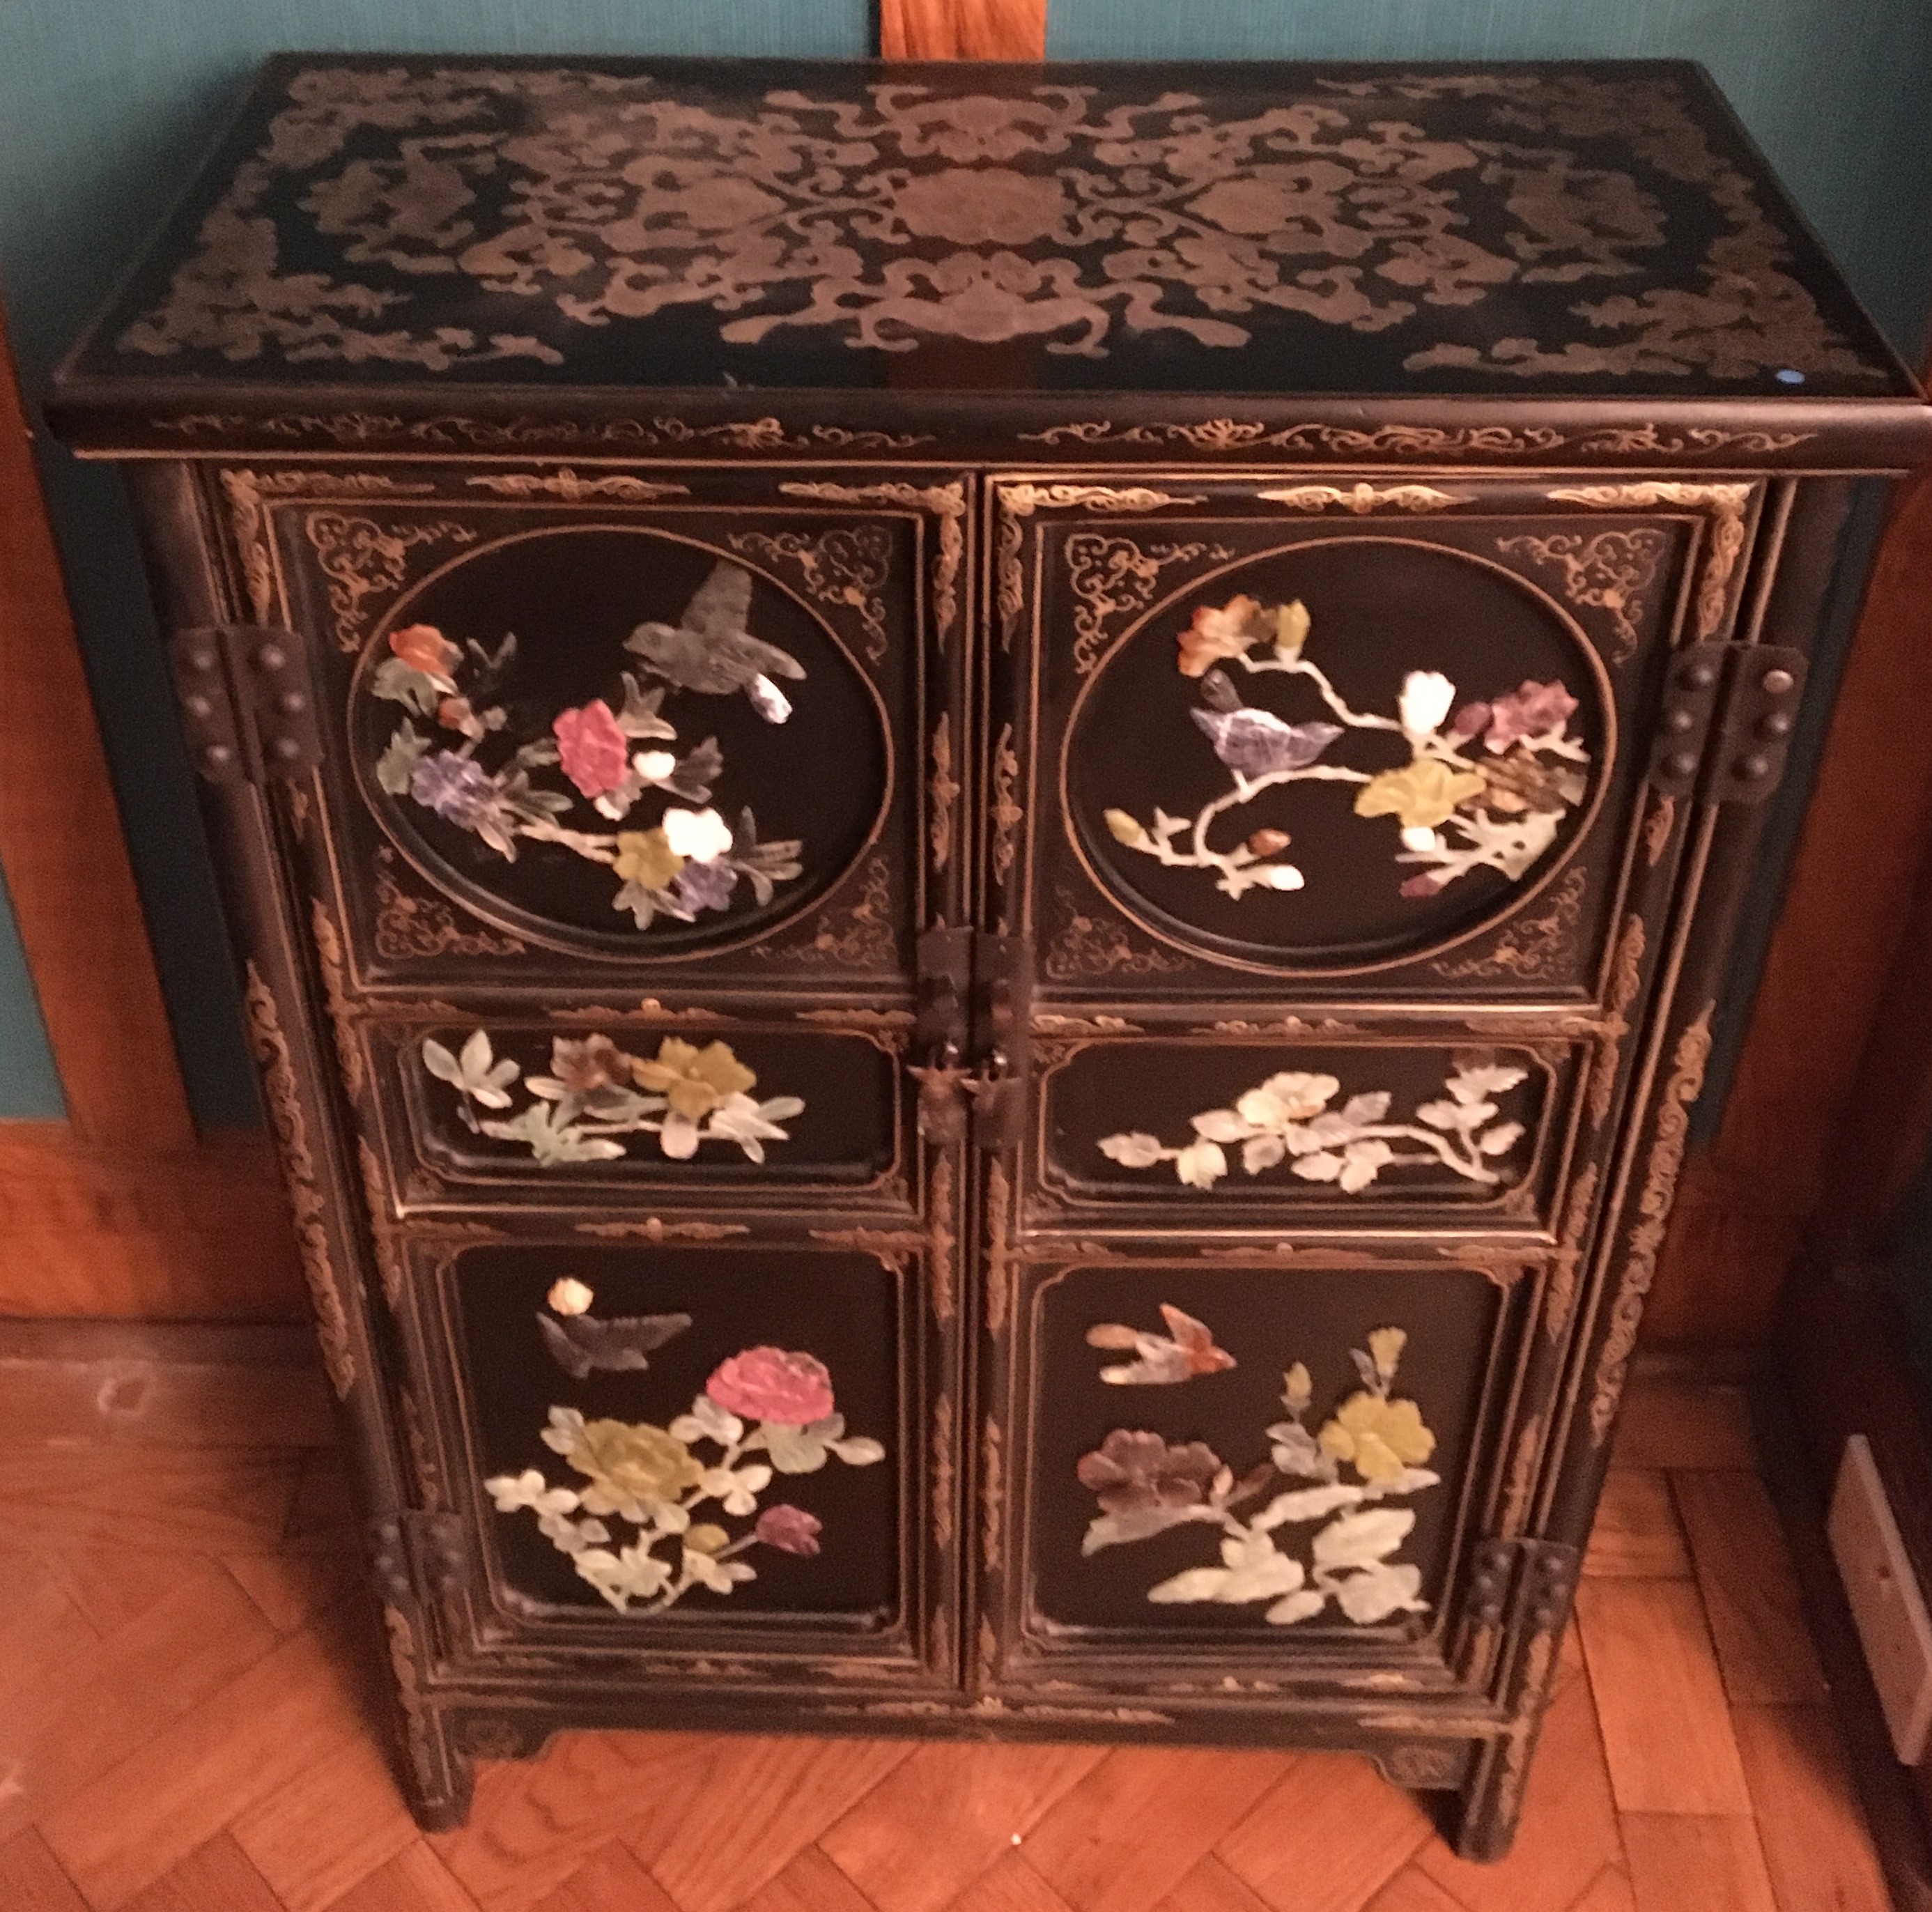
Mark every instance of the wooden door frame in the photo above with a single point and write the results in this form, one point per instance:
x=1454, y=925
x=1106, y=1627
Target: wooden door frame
x=120, y=1209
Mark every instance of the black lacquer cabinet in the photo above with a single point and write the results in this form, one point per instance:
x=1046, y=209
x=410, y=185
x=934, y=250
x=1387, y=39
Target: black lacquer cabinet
x=982, y=823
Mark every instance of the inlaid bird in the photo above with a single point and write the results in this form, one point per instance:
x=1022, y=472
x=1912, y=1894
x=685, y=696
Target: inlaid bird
x=1257, y=744
x=710, y=650
x=580, y=1342
x=1186, y=1349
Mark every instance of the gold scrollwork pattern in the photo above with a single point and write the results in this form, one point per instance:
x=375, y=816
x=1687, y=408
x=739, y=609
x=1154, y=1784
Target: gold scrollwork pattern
x=1725, y=506
x=1562, y=1295
x=1099, y=946
x=888, y=1247
x=1008, y=813
x=942, y=1474
x=1017, y=503
x=1234, y=437
x=270, y=1047
x=1111, y=576
x=992, y=1497
x=416, y=1734
x=424, y=927
x=947, y=502
x=846, y=566
x=565, y=485
x=1610, y=571
x=1363, y=498
x=1626, y=979
x=944, y=789
x=250, y=494
x=328, y=955
x=449, y=430
x=941, y=1243
x=1521, y=1482
x=1534, y=947
x=389, y=1263
x=884, y=216
x=858, y=934
x=999, y=1247
x=362, y=559
x=1657, y=826
x=653, y=1229
x=1660, y=1189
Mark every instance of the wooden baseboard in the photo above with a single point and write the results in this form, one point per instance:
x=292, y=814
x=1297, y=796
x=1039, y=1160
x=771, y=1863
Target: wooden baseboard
x=202, y=1235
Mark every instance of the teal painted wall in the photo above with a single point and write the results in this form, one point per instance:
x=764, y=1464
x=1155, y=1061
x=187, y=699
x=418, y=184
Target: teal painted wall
x=105, y=105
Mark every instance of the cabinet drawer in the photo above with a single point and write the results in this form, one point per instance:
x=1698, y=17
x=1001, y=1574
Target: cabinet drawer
x=1361, y=1134
x=708, y=1109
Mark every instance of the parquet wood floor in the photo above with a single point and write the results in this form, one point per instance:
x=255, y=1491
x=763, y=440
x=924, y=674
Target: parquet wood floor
x=186, y=1681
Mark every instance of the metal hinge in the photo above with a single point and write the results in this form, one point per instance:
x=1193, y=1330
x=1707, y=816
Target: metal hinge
x=416, y=1556
x=1725, y=729
x=974, y=991
x=246, y=702
x=1539, y=1576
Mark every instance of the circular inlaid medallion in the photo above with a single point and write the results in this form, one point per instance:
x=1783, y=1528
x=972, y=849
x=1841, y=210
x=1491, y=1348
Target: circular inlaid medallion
x=1337, y=754
x=619, y=741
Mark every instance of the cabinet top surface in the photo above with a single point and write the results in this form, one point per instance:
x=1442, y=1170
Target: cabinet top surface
x=1599, y=231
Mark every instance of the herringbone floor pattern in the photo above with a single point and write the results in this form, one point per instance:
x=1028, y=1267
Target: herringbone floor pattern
x=184, y=1673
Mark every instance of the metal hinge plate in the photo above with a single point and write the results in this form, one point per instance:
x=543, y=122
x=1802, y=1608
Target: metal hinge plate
x=1539, y=1575
x=1725, y=729
x=416, y=1555
x=246, y=702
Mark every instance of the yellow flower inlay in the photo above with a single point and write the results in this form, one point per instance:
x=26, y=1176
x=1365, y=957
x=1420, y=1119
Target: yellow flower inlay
x=1380, y=1437
x=1421, y=796
x=645, y=857
x=694, y=1080
x=626, y=1463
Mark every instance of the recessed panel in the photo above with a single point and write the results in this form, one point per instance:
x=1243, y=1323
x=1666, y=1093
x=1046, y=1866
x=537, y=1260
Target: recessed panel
x=1338, y=753
x=1251, y=1452
x=1351, y=1128
x=701, y=1106
x=669, y=1433
x=619, y=740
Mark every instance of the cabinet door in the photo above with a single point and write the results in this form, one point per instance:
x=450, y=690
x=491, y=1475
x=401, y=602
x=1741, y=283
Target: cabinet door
x=577, y=725
x=634, y=792
x=1328, y=812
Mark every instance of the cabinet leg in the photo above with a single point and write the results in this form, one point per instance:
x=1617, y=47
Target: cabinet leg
x=1487, y=1810
x=437, y=1775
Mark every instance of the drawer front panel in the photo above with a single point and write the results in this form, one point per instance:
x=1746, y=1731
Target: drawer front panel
x=736, y=1112
x=1219, y=1134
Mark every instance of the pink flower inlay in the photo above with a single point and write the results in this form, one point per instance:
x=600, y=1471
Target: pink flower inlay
x=595, y=752
x=790, y=1529
x=768, y=1384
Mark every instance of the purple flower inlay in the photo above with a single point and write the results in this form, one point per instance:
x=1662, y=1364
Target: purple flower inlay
x=455, y=788
x=706, y=886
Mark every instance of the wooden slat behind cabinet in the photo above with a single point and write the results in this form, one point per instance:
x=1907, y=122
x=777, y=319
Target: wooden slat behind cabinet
x=962, y=29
